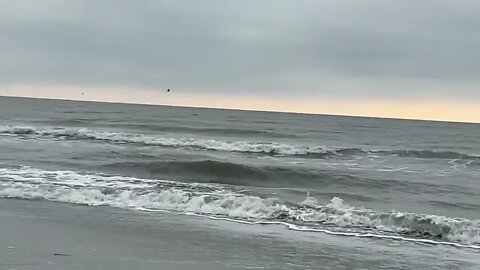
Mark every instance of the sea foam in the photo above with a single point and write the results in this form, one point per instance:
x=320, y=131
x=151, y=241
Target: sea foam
x=222, y=201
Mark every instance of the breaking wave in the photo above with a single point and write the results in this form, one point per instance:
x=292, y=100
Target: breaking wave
x=227, y=202
x=269, y=148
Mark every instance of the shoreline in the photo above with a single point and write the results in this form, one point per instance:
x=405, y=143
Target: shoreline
x=50, y=235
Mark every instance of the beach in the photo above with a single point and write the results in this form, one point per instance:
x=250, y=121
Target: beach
x=102, y=238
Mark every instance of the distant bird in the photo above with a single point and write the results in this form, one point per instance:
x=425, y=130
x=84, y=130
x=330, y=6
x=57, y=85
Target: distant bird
x=168, y=90
x=61, y=254
x=83, y=93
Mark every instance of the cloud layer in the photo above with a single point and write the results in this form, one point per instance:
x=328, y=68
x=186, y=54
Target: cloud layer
x=309, y=48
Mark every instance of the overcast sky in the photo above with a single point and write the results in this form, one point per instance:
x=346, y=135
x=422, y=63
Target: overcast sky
x=358, y=49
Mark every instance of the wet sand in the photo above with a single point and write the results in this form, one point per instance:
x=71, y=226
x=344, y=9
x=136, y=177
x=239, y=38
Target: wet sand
x=47, y=235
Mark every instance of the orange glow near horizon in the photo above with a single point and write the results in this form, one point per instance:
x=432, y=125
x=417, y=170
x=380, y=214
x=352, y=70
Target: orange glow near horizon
x=420, y=109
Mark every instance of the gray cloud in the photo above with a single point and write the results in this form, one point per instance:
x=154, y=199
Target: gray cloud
x=312, y=48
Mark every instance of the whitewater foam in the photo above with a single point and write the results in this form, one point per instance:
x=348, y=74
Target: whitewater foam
x=338, y=213
x=129, y=192
x=222, y=201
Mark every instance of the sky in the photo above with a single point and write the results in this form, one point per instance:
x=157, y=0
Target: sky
x=404, y=59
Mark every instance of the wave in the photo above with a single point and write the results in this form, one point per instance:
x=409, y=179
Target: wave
x=131, y=192
x=338, y=213
x=269, y=148
x=221, y=201
x=205, y=130
x=223, y=172
x=175, y=128
x=218, y=171
x=425, y=154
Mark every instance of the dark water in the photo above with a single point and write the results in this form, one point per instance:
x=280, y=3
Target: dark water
x=407, y=181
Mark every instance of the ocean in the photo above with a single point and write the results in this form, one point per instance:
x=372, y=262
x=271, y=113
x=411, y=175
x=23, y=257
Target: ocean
x=88, y=185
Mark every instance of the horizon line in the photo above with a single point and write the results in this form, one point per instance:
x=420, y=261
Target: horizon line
x=245, y=109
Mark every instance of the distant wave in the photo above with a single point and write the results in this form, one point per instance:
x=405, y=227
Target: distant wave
x=222, y=201
x=205, y=130
x=169, y=128
x=269, y=148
